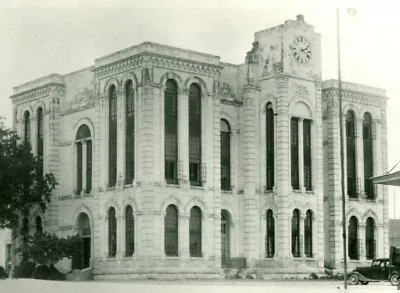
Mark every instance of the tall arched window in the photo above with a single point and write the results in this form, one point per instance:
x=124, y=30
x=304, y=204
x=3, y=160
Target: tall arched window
x=368, y=156
x=130, y=132
x=308, y=234
x=83, y=143
x=195, y=232
x=171, y=231
x=270, y=237
x=225, y=155
x=112, y=233
x=40, y=139
x=25, y=236
x=296, y=233
x=39, y=225
x=353, y=238
x=270, y=163
x=27, y=127
x=370, y=245
x=171, y=132
x=112, y=137
x=294, y=152
x=307, y=154
x=129, y=231
x=195, y=166
x=351, y=154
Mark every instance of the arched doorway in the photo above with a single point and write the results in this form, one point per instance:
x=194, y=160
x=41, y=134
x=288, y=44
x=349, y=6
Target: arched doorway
x=81, y=259
x=225, y=238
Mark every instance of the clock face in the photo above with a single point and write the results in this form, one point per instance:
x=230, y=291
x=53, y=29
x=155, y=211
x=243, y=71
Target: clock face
x=301, y=49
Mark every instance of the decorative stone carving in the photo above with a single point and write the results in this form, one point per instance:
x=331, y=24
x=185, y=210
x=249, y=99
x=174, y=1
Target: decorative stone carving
x=301, y=91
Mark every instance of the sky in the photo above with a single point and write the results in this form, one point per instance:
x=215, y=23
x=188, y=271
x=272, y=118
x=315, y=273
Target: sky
x=39, y=37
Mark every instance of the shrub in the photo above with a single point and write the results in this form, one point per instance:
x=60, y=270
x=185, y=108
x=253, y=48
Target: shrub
x=24, y=269
x=3, y=274
x=44, y=272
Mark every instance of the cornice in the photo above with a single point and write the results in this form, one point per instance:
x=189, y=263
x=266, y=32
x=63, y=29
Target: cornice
x=39, y=92
x=356, y=97
x=157, y=60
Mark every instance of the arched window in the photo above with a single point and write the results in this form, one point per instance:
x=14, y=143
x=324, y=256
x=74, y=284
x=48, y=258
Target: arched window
x=294, y=152
x=270, y=237
x=171, y=231
x=370, y=245
x=112, y=233
x=353, y=238
x=40, y=139
x=296, y=233
x=368, y=156
x=112, y=137
x=130, y=132
x=171, y=132
x=39, y=225
x=129, y=231
x=308, y=234
x=25, y=236
x=195, y=164
x=27, y=127
x=351, y=154
x=270, y=163
x=83, y=143
x=195, y=232
x=225, y=155
x=307, y=155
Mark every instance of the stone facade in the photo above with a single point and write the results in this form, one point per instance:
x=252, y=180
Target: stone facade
x=278, y=71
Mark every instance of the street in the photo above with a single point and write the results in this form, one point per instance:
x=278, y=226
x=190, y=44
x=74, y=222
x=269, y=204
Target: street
x=38, y=286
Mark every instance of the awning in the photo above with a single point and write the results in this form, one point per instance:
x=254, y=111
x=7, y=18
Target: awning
x=388, y=179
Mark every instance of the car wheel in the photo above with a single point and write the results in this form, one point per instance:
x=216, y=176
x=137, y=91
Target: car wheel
x=394, y=279
x=353, y=279
x=364, y=282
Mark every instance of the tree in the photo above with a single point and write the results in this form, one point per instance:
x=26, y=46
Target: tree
x=22, y=182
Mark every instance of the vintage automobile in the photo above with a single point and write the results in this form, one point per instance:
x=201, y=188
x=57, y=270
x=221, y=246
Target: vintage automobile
x=380, y=270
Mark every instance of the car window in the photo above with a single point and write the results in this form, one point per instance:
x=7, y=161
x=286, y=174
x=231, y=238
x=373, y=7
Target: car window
x=375, y=263
x=383, y=264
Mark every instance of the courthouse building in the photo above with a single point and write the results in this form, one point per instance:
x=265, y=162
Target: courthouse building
x=173, y=162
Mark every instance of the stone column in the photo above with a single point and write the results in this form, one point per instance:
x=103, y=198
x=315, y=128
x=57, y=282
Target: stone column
x=251, y=209
x=361, y=237
x=301, y=156
x=282, y=170
x=183, y=138
x=34, y=132
x=120, y=237
x=302, y=236
x=183, y=244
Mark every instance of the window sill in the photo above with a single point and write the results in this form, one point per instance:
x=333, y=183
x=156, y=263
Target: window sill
x=197, y=187
x=172, y=257
x=111, y=188
x=227, y=191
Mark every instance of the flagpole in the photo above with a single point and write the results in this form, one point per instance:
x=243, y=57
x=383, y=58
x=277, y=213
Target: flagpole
x=341, y=153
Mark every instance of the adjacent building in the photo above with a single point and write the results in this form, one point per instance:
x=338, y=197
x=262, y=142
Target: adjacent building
x=172, y=162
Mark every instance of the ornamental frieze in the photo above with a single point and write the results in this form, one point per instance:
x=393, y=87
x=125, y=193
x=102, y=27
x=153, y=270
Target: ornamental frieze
x=39, y=93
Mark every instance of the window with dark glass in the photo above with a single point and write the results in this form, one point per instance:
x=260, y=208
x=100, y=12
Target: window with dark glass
x=83, y=137
x=130, y=132
x=270, y=146
x=40, y=139
x=353, y=244
x=129, y=232
x=39, y=225
x=225, y=155
x=270, y=237
x=171, y=231
x=370, y=245
x=195, y=135
x=308, y=234
x=368, y=156
x=171, y=132
x=294, y=147
x=112, y=137
x=351, y=155
x=296, y=233
x=27, y=126
x=195, y=232
x=112, y=233
x=307, y=161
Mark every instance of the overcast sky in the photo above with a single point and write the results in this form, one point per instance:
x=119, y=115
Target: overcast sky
x=39, y=37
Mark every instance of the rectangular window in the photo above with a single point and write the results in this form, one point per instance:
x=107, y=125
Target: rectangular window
x=88, y=166
x=130, y=142
x=225, y=161
x=294, y=147
x=195, y=138
x=79, y=168
x=171, y=137
x=307, y=154
x=112, y=172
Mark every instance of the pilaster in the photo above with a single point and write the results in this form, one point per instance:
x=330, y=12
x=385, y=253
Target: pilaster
x=183, y=138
